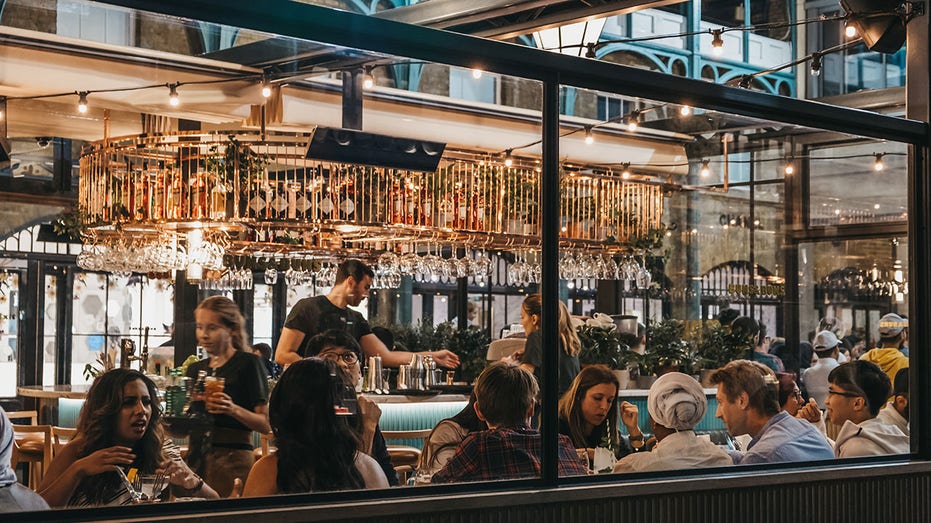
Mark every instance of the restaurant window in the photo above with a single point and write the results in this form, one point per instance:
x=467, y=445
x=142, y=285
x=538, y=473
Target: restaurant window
x=649, y=205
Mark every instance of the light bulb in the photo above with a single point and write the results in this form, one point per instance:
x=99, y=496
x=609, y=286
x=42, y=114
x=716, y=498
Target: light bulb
x=508, y=161
x=717, y=43
x=266, y=90
x=368, y=81
x=878, y=164
x=589, y=137
x=705, y=170
x=82, y=102
x=625, y=174
x=790, y=169
x=173, y=98
x=476, y=73
x=685, y=110
x=633, y=120
x=849, y=30
x=816, y=64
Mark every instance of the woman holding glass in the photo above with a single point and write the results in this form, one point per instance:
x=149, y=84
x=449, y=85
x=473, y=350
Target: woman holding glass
x=119, y=429
x=238, y=404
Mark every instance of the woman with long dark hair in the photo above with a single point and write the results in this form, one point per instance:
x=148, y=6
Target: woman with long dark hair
x=588, y=413
x=240, y=408
x=318, y=450
x=119, y=428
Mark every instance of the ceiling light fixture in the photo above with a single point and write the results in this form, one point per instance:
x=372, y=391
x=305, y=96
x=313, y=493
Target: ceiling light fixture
x=82, y=102
x=878, y=164
x=173, y=98
x=717, y=43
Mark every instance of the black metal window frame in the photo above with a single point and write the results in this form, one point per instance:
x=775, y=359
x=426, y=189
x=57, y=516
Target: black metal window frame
x=319, y=24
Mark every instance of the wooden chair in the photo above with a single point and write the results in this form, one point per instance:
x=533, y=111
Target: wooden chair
x=32, y=444
x=61, y=436
x=404, y=457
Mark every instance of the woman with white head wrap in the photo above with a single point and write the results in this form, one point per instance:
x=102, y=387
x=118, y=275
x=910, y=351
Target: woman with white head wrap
x=13, y=496
x=676, y=404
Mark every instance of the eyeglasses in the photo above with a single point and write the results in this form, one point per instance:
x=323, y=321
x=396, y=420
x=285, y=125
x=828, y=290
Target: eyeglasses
x=844, y=394
x=798, y=394
x=348, y=357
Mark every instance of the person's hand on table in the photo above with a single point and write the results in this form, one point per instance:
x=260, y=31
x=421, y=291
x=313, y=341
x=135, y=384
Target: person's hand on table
x=179, y=474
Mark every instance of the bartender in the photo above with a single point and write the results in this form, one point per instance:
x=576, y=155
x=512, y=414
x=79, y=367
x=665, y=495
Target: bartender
x=311, y=316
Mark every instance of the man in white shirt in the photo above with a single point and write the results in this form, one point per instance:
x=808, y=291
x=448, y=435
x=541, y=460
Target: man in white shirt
x=815, y=378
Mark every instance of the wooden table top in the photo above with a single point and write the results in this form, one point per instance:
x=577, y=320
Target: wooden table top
x=53, y=391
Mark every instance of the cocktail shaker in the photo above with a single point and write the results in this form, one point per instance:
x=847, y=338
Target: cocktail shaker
x=404, y=377
x=429, y=371
x=417, y=372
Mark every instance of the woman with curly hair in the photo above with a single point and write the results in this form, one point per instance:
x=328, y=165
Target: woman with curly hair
x=119, y=428
x=318, y=450
x=588, y=414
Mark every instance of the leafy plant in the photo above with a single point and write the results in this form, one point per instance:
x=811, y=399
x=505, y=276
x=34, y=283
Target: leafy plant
x=604, y=346
x=717, y=345
x=471, y=345
x=70, y=224
x=666, y=347
x=105, y=361
x=235, y=154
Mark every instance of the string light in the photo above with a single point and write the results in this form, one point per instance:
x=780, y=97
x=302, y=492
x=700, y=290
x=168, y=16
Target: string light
x=82, y=102
x=717, y=43
x=266, y=87
x=173, y=98
x=685, y=110
x=816, y=64
x=705, y=170
x=878, y=164
x=633, y=120
x=368, y=81
x=508, y=161
x=625, y=172
x=589, y=137
x=789, y=168
x=849, y=30
x=476, y=73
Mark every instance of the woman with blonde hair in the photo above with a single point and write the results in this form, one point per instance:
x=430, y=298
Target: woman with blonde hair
x=242, y=406
x=569, y=345
x=588, y=413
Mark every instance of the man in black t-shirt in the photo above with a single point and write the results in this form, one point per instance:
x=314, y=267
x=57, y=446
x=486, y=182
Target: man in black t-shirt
x=311, y=316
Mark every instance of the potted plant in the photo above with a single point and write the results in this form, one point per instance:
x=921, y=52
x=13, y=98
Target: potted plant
x=716, y=346
x=603, y=345
x=666, y=351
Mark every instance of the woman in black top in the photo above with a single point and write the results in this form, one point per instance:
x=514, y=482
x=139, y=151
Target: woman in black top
x=569, y=345
x=588, y=413
x=242, y=406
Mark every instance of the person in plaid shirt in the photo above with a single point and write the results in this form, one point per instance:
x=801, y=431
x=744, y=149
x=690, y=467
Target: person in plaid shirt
x=509, y=449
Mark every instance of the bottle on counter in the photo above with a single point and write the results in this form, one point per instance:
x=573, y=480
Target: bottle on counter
x=197, y=406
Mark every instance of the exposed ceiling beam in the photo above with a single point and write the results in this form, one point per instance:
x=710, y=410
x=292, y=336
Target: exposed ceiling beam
x=504, y=19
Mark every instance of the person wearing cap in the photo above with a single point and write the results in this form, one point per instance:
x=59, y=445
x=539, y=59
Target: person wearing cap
x=748, y=403
x=858, y=390
x=893, y=332
x=815, y=378
x=676, y=403
x=339, y=347
x=895, y=412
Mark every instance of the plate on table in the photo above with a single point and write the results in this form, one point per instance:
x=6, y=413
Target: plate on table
x=458, y=388
x=414, y=392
